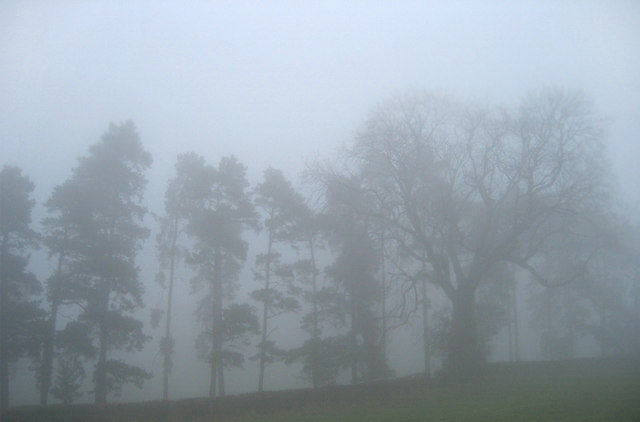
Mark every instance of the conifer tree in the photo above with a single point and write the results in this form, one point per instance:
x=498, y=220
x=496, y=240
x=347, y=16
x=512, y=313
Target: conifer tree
x=219, y=214
x=19, y=309
x=101, y=210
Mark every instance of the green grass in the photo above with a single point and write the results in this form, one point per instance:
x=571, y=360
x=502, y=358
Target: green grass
x=587, y=390
x=603, y=397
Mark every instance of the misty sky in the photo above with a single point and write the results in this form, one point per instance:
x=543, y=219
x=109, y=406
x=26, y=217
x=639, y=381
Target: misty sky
x=277, y=83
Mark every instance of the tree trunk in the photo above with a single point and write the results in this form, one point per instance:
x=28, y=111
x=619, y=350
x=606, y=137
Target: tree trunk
x=101, y=366
x=464, y=355
x=4, y=375
x=513, y=329
x=425, y=331
x=570, y=323
x=383, y=298
x=4, y=356
x=353, y=341
x=47, y=353
x=50, y=337
x=510, y=338
x=101, y=369
x=221, y=379
x=213, y=374
x=167, y=332
x=316, y=330
x=216, y=343
x=265, y=311
x=516, y=324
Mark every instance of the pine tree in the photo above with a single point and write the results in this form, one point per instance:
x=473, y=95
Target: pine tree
x=280, y=205
x=180, y=197
x=63, y=286
x=105, y=222
x=68, y=380
x=19, y=311
x=217, y=218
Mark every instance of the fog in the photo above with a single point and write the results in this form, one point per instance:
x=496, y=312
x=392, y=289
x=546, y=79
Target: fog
x=285, y=85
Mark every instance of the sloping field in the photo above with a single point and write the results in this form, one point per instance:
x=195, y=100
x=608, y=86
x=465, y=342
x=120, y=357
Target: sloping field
x=586, y=390
x=533, y=398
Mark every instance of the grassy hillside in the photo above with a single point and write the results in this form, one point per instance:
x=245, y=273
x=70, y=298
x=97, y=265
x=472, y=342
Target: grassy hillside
x=585, y=390
x=533, y=398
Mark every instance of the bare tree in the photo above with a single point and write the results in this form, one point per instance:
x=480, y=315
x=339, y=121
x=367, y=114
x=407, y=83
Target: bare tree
x=465, y=189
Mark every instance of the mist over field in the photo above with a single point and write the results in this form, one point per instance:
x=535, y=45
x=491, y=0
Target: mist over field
x=325, y=193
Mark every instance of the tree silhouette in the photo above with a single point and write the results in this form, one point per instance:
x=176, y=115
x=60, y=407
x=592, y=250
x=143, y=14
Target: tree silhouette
x=19, y=310
x=280, y=206
x=105, y=218
x=217, y=220
x=180, y=197
x=464, y=189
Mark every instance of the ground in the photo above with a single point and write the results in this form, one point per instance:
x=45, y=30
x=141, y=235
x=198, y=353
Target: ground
x=601, y=397
x=576, y=390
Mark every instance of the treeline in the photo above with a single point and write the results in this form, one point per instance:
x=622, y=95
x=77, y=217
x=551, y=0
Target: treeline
x=432, y=197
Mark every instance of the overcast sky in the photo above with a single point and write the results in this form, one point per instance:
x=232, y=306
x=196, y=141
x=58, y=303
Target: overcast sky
x=277, y=83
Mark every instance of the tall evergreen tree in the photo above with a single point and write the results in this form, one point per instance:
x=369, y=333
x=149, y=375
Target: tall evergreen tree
x=322, y=355
x=18, y=308
x=280, y=206
x=63, y=286
x=106, y=228
x=217, y=220
x=353, y=271
x=180, y=197
x=321, y=299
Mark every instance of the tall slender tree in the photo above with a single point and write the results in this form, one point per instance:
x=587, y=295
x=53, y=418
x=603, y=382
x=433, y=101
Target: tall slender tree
x=217, y=220
x=280, y=205
x=63, y=287
x=180, y=197
x=321, y=299
x=18, y=307
x=354, y=272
